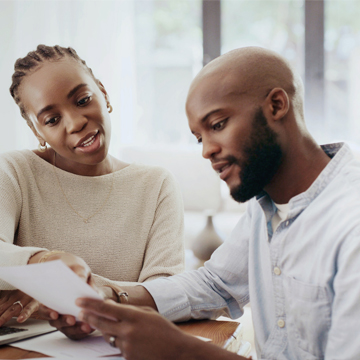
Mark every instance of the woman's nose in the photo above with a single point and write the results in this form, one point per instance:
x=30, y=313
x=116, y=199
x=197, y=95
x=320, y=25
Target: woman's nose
x=75, y=122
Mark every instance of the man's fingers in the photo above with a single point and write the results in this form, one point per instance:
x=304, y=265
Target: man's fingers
x=30, y=308
x=108, y=308
x=98, y=322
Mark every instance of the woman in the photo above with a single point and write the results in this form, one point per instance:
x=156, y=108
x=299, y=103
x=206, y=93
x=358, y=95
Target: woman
x=73, y=201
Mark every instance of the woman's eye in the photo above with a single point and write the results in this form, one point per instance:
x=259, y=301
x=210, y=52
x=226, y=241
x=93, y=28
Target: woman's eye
x=84, y=101
x=199, y=140
x=52, y=121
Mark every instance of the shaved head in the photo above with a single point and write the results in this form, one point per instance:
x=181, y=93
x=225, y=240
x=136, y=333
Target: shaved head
x=253, y=71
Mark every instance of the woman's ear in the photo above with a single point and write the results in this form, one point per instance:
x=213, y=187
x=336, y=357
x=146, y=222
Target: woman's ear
x=32, y=127
x=103, y=90
x=277, y=103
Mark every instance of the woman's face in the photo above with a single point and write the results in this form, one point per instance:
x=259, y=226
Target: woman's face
x=68, y=110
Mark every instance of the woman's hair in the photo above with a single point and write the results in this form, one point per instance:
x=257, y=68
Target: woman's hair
x=34, y=59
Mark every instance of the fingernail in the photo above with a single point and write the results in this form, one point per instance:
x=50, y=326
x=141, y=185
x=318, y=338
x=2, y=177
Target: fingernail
x=54, y=315
x=20, y=318
x=70, y=321
x=85, y=328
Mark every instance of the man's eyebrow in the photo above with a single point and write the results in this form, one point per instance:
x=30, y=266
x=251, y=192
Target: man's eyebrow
x=74, y=90
x=209, y=114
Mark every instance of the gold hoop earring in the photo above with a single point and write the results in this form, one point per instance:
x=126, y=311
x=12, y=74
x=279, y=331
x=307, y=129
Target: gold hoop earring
x=42, y=148
x=110, y=108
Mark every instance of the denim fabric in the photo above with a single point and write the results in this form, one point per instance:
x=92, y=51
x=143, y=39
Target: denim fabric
x=306, y=274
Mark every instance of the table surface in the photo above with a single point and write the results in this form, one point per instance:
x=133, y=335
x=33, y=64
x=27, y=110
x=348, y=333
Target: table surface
x=219, y=331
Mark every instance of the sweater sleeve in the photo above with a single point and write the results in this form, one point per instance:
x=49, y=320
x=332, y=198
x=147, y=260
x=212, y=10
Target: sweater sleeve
x=10, y=214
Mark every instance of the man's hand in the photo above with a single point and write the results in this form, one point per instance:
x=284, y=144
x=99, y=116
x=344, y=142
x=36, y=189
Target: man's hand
x=73, y=329
x=139, y=332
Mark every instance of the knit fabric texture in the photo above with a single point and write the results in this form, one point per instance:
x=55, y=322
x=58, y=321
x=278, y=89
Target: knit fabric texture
x=136, y=236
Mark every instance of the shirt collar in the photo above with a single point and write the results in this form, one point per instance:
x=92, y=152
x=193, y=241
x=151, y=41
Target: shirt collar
x=340, y=155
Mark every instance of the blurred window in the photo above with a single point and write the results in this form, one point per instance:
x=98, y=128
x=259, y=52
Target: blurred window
x=277, y=25
x=342, y=69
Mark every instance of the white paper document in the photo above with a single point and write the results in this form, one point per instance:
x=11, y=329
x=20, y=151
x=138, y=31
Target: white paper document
x=58, y=345
x=51, y=283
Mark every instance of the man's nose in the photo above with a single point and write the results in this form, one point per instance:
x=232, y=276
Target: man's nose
x=210, y=148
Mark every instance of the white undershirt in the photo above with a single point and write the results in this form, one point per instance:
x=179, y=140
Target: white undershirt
x=280, y=215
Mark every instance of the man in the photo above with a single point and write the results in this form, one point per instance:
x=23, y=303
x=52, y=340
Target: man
x=295, y=254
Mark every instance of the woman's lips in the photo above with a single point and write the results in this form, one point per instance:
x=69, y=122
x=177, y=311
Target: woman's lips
x=90, y=145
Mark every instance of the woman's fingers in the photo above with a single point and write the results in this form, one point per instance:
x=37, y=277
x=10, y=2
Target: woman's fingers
x=13, y=310
x=28, y=310
x=45, y=313
x=12, y=303
x=74, y=330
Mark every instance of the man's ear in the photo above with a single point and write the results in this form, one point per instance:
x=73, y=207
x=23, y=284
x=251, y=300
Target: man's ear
x=103, y=90
x=277, y=104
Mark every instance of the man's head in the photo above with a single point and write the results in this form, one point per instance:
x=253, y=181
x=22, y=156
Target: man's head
x=242, y=106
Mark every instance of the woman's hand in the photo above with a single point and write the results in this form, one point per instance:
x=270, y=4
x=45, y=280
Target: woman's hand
x=16, y=303
x=77, y=330
x=139, y=332
x=75, y=263
x=67, y=324
x=73, y=329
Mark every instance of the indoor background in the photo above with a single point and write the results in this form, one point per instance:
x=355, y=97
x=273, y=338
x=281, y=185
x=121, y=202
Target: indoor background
x=146, y=52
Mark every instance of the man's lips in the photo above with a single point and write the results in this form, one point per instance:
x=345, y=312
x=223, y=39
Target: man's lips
x=223, y=168
x=220, y=166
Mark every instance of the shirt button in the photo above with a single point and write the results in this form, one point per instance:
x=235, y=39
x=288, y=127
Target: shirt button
x=281, y=323
x=277, y=271
x=287, y=223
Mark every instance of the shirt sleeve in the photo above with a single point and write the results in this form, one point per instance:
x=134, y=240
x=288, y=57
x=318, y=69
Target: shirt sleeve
x=219, y=288
x=344, y=336
x=10, y=211
x=164, y=255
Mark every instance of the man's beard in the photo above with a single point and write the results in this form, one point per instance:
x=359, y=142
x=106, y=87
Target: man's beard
x=262, y=158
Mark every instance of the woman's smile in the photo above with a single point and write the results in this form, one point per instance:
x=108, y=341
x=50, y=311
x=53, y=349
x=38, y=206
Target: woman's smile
x=90, y=144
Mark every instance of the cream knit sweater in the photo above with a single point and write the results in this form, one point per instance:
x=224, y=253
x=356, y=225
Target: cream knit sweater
x=137, y=235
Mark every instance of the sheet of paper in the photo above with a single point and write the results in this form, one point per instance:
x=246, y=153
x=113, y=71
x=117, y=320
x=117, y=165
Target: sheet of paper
x=58, y=345
x=52, y=283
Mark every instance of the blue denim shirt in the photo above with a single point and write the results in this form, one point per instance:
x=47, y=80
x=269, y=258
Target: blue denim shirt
x=303, y=280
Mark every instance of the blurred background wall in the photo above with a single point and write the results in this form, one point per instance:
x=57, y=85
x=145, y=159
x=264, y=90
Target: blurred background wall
x=146, y=52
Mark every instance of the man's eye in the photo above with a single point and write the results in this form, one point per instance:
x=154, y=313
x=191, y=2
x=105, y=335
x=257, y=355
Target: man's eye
x=84, y=101
x=219, y=125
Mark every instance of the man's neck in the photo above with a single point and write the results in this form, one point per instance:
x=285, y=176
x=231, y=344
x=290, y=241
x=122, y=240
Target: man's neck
x=299, y=169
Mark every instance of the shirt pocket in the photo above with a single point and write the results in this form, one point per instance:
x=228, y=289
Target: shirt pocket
x=308, y=314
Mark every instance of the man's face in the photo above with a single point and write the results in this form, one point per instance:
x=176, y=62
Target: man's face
x=235, y=135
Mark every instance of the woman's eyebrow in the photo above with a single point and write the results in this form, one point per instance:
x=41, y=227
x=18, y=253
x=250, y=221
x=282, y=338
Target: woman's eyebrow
x=74, y=90
x=69, y=95
x=46, y=108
